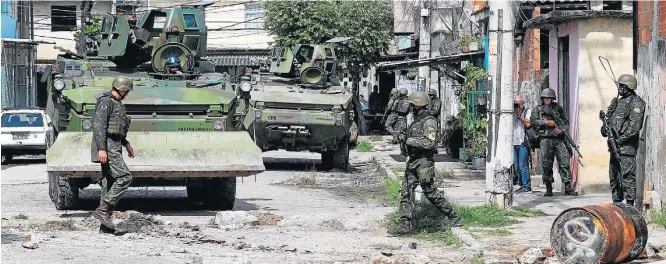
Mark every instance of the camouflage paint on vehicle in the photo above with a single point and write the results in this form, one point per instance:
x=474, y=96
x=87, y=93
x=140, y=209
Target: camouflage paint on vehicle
x=302, y=106
x=186, y=127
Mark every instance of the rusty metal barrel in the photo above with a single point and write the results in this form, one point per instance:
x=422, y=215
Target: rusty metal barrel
x=605, y=233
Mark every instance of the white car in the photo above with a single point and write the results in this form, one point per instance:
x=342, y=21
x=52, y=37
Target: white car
x=25, y=132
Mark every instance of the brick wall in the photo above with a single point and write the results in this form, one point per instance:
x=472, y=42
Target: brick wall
x=645, y=15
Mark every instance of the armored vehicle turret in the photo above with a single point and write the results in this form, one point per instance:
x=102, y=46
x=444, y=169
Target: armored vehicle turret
x=301, y=105
x=186, y=120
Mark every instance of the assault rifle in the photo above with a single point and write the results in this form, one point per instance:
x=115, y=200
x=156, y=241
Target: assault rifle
x=612, y=136
x=570, y=142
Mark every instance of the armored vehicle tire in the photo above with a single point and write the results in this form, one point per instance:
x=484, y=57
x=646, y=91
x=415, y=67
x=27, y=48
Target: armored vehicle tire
x=219, y=193
x=195, y=193
x=63, y=192
x=336, y=159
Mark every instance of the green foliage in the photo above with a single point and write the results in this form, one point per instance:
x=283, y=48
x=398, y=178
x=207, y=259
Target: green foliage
x=21, y=216
x=364, y=146
x=499, y=232
x=478, y=146
x=392, y=190
x=473, y=75
x=658, y=217
x=486, y=216
x=428, y=224
x=374, y=138
x=91, y=30
x=465, y=40
x=368, y=23
x=398, y=170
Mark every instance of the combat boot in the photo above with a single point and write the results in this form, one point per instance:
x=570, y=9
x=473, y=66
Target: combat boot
x=549, y=189
x=455, y=220
x=103, y=214
x=568, y=191
x=403, y=229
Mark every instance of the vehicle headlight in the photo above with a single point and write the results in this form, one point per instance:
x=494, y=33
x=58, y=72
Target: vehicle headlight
x=257, y=114
x=86, y=125
x=246, y=86
x=59, y=84
x=218, y=125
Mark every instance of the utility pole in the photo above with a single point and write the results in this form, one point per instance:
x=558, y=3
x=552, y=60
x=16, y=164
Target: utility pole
x=86, y=6
x=499, y=177
x=424, y=43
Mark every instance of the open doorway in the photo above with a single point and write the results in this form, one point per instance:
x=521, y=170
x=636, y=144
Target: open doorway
x=563, y=73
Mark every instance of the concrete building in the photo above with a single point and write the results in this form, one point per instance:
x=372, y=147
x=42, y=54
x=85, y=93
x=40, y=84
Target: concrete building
x=650, y=66
x=576, y=41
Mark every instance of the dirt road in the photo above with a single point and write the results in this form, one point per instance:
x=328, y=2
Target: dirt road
x=291, y=214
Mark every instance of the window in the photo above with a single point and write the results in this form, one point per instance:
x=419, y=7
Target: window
x=544, y=48
x=254, y=16
x=63, y=18
x=22, y=120
x=190, y=21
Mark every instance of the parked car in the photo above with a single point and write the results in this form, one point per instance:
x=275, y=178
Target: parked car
x=25, y=132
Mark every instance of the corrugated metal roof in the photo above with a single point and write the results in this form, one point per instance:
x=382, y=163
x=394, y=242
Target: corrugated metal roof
x=238, y=60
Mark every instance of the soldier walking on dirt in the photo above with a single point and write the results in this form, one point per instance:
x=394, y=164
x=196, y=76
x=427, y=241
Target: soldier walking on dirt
x=110, y=127
x=553, y=143
x=625, y=116
x=397, y=121
x=420, y=141
x=434, y=108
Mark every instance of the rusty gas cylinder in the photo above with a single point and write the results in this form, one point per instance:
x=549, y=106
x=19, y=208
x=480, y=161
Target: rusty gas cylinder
x=605, y=233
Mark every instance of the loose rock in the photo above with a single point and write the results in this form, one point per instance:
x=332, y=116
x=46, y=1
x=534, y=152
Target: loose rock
x=231, y=220
x=30, y=242
x=196, y=259
x=239, y=245
x=532, y=256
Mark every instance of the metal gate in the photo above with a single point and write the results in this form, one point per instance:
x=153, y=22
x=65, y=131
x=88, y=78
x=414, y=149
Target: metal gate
x=19, y=89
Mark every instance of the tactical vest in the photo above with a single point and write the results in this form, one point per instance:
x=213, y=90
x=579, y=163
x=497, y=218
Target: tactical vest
x=548, y=131
x=434, y=107
x=401, y=107
x=620, y=111
x=119, y=122
x=417, y=128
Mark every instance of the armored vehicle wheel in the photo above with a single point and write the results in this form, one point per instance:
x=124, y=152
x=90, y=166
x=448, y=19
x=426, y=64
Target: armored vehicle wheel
x=195, y=193
x=336, y=159
x=63, y=192
x=219, y=193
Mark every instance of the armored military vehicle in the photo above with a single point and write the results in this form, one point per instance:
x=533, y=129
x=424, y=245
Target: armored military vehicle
x=186, y=119
x=301, y=105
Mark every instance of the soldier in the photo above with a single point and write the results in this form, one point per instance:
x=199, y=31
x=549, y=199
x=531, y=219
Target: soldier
x=625, y=116
x=434, y=108
x=553, y=143
x=394, y=116
x=110, y=127
x=420, y=144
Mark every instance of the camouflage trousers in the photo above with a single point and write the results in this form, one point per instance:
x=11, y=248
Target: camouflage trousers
x=421, y=171
x=116, y=177
x=552, y=148
x=623, y=179
x=389, y=125
x=396, y=125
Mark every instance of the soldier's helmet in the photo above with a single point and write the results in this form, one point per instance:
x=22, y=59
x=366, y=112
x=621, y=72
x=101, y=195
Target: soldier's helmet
x=432, y=92
x=548, y=93
x=403, y=91
x=418, y=98
x=394, y=91
x=122, y=83
x=628, y=80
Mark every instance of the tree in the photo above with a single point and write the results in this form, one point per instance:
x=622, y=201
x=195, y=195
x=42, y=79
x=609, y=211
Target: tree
x=91, y=31
x=369, y=24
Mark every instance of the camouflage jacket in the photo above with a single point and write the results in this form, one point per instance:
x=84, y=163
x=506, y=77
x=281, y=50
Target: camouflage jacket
x=391, y=102
x=401, y=106
x=434, y=107
x=421, y=136
x=625, y=115
x=110, y=120
x=539, y=117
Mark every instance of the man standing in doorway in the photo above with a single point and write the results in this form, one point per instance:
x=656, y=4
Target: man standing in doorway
x=374, y=101
x=552, y=141
x=625, y=116
x=521, y=145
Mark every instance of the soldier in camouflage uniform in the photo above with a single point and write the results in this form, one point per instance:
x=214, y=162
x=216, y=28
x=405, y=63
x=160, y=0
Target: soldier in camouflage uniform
x=434, y=108
x=625, y=116
x=420, y=143
x=400, y=109
x=390, y=115
x=553, y=143
x=110, y=127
